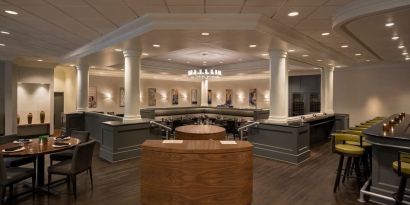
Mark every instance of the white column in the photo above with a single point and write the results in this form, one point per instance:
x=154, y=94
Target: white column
x=327, y=91
x=132, y=68
x=279, y=87
x=82, y=87
x=204, y=92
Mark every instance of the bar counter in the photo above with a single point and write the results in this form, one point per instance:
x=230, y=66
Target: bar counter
x=385, y=148
x=196, y=172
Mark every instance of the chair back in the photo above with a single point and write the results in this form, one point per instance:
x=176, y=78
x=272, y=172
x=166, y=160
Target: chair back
x=3, y=171
x=8, y=138
x=83, y=136
x=402, y=157
x=340, y=138
x=83, y=156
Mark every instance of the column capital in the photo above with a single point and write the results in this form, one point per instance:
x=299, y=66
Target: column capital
x=82, y=65
x=131, y=53
x=278, y=53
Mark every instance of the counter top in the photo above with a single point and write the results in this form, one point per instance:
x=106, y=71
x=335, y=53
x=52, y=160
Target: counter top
x=400, y=131
x=297, y=123
x=121, y=123
x=197, y=146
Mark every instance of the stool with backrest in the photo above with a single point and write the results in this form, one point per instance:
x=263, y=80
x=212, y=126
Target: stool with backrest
x=353, y=152
x=81, y=162
x=402, y=168
x=83, y=136
x=13, y=175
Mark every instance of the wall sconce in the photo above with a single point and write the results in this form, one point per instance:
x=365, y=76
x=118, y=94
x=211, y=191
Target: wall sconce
x=108, y=96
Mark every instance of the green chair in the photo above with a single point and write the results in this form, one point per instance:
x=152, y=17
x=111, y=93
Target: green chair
x=353, y=152
x=402, y=168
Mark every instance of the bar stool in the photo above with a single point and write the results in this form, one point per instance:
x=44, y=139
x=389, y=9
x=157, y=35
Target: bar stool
x=351, y=151
x=367, y=157
x=402, y=168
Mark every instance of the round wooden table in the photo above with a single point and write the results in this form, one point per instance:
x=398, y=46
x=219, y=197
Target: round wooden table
x=200, y=132
x=35, y=149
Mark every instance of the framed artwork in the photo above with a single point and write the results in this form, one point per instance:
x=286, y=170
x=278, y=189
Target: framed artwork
x=209, y=97
x=92, y=97
x=174, y=94
x=228, y=98
x=122, y=94
x=152, y=93
x=194, y=96
x=252, y=97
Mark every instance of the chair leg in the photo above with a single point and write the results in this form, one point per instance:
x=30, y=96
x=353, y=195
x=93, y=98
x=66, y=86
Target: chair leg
x=357, y=171
x=33, y=184
x=366, y=166
x=74, y=181
x=339, y=172
x=347, y=168
x=68, y=180
x=91, y=178
x=49, y=182
x=11, y=190
x=2, y=194
x=400, y=193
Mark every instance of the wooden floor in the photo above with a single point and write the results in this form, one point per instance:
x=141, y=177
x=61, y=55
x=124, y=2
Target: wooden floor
x=274, y=183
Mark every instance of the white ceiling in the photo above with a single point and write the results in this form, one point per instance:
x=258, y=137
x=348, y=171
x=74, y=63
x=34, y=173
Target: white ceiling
x=49, y=29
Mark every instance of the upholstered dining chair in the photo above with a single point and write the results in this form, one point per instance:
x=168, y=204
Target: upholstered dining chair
x=16, y=161
x=81, y=162
x=83, y=136
x=13, y=175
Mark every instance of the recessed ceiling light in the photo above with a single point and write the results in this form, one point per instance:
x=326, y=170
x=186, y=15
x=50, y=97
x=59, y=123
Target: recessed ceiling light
x=401, y=46
x=390, y=24
x=319, y=60
x=315, y=68
x=39, y=60
x=330, y=64
x=338, y=66
x=118, y=50
x=264, y=54
x=5, y=32
x=11, y=12
x=205, y=34
x=305, y=55
x=368, y=60
x=122, y=69
x=92, y=66
x=407, y=58
x=169, y=59
x=203, y=61
x=293, y=13
x=344, y=46
x=325, y=34
x=2, y=44
x=291, y=50
x=404, y=53
x=395, y=37
x=357, y=54
x=145, y=54
x=156, y=45
x=252, y=46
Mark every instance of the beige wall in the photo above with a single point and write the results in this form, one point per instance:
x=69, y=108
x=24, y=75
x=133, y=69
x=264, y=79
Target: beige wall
x=65, y=81
x=59, y=80
x=369, y=91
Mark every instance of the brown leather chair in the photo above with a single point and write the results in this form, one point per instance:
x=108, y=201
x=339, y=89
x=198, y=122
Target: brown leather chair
x=81, y=161
x=13, y=175
x=83, y=136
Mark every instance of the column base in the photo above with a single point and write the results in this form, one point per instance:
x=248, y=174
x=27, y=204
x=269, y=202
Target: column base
x=81, y=109
x=131, y=118
x=278, y=119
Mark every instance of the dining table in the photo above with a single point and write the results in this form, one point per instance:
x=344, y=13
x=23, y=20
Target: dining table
x=38, y=149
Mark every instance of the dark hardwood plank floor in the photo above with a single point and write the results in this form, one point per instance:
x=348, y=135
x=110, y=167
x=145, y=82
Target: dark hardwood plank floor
x=275, y=183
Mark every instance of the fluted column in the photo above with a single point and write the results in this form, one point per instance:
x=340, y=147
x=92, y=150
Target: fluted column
x=326, y=90
x=132, y=70
x=82, y=86
x=204, y=92
x=279, y=87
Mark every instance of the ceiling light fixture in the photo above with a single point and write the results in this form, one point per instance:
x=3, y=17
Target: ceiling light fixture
x=145, y=54
x=11, y=12
x=293, y=13
x=325, y=34
x=72, y=65
x=291, y=50
x=319, y=60
x=368, y=60
x=404, y=53
x=118, y=50
x=264, y=54
x=357, y=54
x=169, y=59
x=5, y=32
x=390, y=24
x=122, y=69
x=407, y=58
x=39, y=60
x=2, y=44
x=305, y=55
x=338, y=66
x=315, y=68
x=252, y=46
x=344, y=46
x=156, y=45
x=401, y=46
x=395, y=37
x=204, y=74
x=205, y=34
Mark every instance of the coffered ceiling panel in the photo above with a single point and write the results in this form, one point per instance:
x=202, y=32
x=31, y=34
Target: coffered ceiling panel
x=323, y=12
x=186, y=9
x=185, y=2
x=142, y=7
x=117, y=11
x=338, y=2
